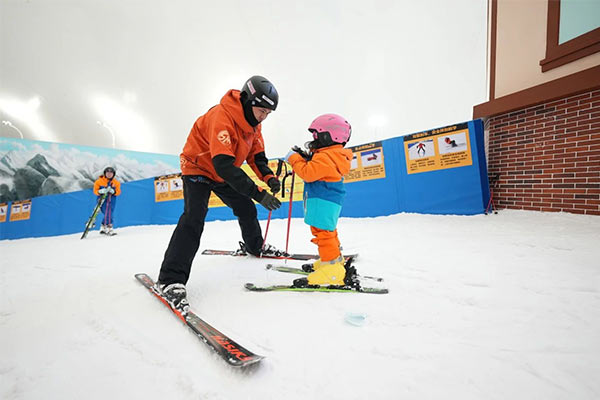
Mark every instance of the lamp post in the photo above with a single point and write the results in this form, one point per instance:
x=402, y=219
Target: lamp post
x=109, y=128
x=8, y=123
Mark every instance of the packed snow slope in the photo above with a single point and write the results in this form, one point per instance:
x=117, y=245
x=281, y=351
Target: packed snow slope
x=504, y=306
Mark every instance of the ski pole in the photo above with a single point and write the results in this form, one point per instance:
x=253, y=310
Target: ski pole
x=287, y=240
x=107, y=212
x=279, y=167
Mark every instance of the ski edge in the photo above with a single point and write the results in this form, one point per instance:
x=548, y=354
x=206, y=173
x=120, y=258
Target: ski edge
x=230, y=351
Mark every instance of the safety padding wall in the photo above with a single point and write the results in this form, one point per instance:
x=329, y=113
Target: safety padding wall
x=413, y=186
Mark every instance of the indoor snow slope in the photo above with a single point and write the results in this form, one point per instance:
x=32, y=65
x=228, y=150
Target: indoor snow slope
x=504, y=306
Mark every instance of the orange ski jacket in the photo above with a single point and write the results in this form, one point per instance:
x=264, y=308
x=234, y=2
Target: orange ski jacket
x=324, y=190
x=328, y=164
x=223, y=130
x=103, y=181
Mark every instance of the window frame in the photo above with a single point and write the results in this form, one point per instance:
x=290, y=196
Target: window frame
x=571, y=50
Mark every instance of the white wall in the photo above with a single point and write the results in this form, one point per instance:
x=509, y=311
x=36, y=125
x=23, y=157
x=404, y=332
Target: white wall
x=150, y=68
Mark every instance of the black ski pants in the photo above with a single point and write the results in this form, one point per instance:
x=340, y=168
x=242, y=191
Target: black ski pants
x=177, y=263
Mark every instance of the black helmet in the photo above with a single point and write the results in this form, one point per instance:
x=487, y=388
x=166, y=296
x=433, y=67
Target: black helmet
x=109, y=169
x=260, y=93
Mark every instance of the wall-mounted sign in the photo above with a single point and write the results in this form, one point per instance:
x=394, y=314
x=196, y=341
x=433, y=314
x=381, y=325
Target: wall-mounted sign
x=438, y=149
x=367, y=163
x=168, y=187
x=3, y=211
x=20, y=210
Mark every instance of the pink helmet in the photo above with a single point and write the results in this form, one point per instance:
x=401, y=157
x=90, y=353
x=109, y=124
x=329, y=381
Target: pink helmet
x=331, y=128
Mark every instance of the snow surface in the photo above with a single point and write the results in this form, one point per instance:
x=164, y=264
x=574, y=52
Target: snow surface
x=504, y=306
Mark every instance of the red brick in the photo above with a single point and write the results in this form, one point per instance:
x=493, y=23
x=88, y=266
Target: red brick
x=540, y=150
x=579, y=97
x=581, y=106
x=586, y=207
x=594, y=119
x=589, y=174
x=560, y=150
x=575, y=180
x=584, y=117
x=545, y=129
x=589, y=153
x=590, y=164
x=590, y=131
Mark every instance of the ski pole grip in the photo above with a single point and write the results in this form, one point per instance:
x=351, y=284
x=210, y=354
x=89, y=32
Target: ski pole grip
x=279, y=167
x=283, y=186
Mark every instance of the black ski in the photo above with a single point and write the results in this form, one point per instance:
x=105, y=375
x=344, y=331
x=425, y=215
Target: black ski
x=234, y=354
x=300, y=271
x=92, y=219
x=328, y=289
x=277, y=256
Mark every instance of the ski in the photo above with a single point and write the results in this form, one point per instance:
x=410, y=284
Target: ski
x=92, y=219
x=234, y=354
x=300, y=271
x=277, y=256
x=328, y=289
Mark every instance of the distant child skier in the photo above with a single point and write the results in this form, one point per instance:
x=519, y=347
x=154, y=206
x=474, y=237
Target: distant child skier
x=107, y=183
x=322, y=170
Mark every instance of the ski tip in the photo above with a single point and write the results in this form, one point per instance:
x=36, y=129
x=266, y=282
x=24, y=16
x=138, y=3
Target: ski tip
x=248, y=363
x=253, y=288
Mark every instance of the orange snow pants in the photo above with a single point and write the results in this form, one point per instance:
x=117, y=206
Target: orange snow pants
x=328, y=242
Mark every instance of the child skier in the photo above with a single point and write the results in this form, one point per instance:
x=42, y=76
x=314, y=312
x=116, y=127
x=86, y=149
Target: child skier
x=322, y=170
x=107, y=183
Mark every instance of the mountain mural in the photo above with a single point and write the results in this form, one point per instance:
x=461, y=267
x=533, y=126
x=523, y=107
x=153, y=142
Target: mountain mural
x=30, y=168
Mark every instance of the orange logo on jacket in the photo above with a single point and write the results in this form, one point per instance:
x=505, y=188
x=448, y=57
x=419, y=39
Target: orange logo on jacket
x=224, y=138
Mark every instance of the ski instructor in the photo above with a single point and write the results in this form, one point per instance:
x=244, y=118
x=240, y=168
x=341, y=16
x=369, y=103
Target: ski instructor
x=217, y=146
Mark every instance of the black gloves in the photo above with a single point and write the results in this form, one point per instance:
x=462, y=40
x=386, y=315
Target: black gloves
x=303, y=153
x=275, y=185
x=268, y=201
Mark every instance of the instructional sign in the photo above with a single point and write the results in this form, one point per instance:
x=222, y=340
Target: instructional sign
x=20, y=210
x=170, y=187
x=438, y=149
x=367, y=163
x=282, y=195
x=3, y=211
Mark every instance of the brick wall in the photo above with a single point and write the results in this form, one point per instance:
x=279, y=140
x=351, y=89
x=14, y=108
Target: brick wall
x=548, y=156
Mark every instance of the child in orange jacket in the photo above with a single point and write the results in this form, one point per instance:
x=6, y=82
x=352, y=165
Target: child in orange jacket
x=322, y=171
x=107, y=183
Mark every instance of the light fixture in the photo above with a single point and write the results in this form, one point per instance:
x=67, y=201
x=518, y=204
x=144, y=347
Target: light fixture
x=8, y=123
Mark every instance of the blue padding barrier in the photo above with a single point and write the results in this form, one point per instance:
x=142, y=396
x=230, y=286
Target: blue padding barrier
x=460, y=190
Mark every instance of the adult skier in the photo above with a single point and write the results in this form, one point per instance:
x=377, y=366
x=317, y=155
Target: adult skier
x=218, y=144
